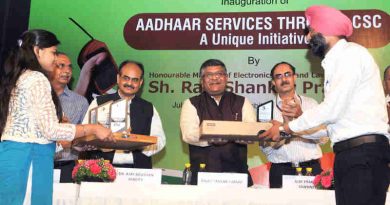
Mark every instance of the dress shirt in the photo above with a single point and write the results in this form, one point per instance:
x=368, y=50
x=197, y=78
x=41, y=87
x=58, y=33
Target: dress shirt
x=387, y=99
x=296, y=150
x=156, y=129
x=189, y=121
x=32, y=115
x=354, y=102
x=74, y=107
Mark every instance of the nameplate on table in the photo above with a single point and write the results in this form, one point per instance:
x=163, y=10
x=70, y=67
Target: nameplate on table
x=298, y=182
x=56, y=175
x=215, y=179
x=138, y=176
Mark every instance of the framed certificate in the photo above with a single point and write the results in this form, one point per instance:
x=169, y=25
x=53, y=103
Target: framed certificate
x=265, y=111
x=123, y=141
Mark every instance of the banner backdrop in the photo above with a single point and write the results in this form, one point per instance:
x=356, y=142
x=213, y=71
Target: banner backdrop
x=172, y=38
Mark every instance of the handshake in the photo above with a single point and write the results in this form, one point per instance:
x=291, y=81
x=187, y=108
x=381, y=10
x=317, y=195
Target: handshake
x=290, y=109
x=274, y=137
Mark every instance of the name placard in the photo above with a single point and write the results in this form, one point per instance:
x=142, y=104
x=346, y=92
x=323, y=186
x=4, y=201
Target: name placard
x=138, y=176
x=56, y=175
x=300, y=182
x=223, y=179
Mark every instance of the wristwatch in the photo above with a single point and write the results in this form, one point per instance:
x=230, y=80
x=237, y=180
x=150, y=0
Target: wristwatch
x=283, y=132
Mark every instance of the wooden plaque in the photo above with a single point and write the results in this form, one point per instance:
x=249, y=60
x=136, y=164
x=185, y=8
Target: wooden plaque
x=123, y=141
x=213, y=130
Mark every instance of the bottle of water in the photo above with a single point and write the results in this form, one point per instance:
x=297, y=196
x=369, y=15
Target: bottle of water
x=187, y=174
x=299, y=171
x=202, y=167
x=309, y=171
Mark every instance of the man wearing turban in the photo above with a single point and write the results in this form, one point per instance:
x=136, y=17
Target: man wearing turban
x=354, y=110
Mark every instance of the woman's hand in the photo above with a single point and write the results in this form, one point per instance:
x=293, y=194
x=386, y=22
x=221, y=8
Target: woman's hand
x=103, y=133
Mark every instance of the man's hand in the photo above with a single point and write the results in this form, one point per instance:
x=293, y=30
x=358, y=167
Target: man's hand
x=94, y=61
x=86, y=72
x=64, y=119
x=292, y=109
x=103, y=133
x=272, y=133
x=65, y=144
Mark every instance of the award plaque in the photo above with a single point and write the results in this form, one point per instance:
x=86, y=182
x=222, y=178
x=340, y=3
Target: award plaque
x=265, y=111
x=118, y=115
x=124, y=141
x=103, y=114
x=93, y=116
x=220, y=131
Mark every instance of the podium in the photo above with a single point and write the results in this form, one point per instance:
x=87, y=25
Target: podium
x=124, y=141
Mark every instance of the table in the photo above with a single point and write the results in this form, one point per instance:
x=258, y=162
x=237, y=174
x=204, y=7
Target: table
x=65, y=193
x=110, y=194
x=92, y=193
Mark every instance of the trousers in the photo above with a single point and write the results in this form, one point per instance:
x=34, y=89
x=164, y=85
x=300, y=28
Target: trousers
x=362, y=174
x=15, y=161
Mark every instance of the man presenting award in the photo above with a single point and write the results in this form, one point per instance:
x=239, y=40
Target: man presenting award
x=354, y=110
x=142, y=116
x=296, y=151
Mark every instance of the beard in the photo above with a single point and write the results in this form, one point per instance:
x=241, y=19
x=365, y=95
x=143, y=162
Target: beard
x=318, y=45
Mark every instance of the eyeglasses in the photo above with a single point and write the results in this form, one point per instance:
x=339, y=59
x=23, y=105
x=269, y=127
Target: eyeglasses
x=286, y=74
x=217, y=75
x=62, y=65
x=127, y=78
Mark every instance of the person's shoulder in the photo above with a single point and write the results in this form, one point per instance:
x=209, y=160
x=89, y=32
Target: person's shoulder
x=195, y=99
x=141, y=100
x=196, y=96
x=32, y=78
x=33, y=75
x=142, y=104
x=355, y=48
x=187, y=100
x=107, y=97
x=77, y=96
x=236, y=96
x=355, y=53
